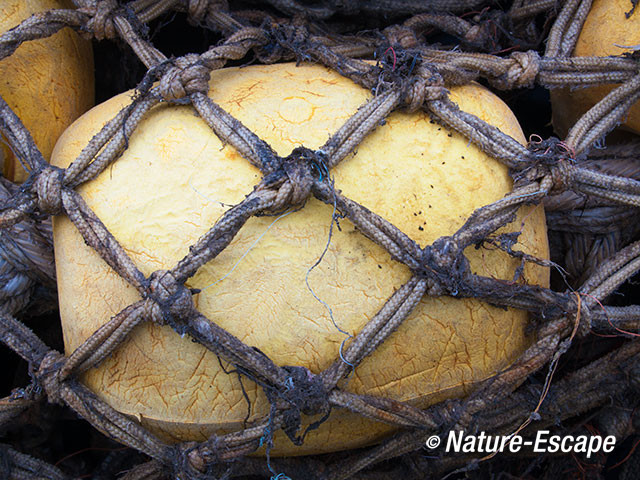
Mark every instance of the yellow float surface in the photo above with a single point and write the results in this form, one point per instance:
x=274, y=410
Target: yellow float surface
x=168, y=189
x=48, y=83
x=606, y=31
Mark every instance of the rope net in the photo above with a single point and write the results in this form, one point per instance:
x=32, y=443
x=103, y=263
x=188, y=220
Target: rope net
x=582, y=187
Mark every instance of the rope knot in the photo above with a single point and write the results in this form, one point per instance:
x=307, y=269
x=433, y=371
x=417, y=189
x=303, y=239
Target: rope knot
x=444, y=253
x=101, y=22
x=197, y=10
x=185, y=76
x=48, y=188
x=561, y=176
x=173, y=298
x=305, y=390
x=521, y=73
x=420, y=90
x=443, y=267
x=551, y=162
x=300, y=170
x=48, y=376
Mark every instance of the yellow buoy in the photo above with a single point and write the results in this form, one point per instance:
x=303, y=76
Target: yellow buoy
x=606, y=31
x=48, y=83
x=176, y=179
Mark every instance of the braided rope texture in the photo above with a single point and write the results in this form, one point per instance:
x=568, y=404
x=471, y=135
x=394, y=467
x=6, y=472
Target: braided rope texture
x=578, y=183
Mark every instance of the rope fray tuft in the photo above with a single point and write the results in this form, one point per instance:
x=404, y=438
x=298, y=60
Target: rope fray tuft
x=443, y=266
x=303, y=392
x=551, y=163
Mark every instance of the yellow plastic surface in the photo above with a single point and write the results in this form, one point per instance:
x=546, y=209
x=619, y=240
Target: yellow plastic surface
x=48, y=83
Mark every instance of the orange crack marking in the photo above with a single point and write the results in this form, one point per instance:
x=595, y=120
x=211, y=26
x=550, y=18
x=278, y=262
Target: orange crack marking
x=244, y=94
x=297, y=110
x=313, y=93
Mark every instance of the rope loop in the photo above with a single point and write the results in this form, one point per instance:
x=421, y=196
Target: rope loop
x=401, y=36
x=185, y=76
x=420, y=90
x=522, y=71
x=248, y=35
x=551, y=162
x=48, y=375
x=197, y=10
x=211, y=13
x=101, y=21
x=48, y=188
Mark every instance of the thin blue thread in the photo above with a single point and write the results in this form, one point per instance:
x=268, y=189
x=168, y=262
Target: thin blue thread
x=288, y=383
x=537, y=192
x=248, y=250
x=306, y=279
x=265, y=434
x=207, y=198
x=413, y=64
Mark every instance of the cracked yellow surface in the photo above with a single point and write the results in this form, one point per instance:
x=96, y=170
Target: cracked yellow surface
x=606, y=31
x=166, y=191
x=48, y=83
